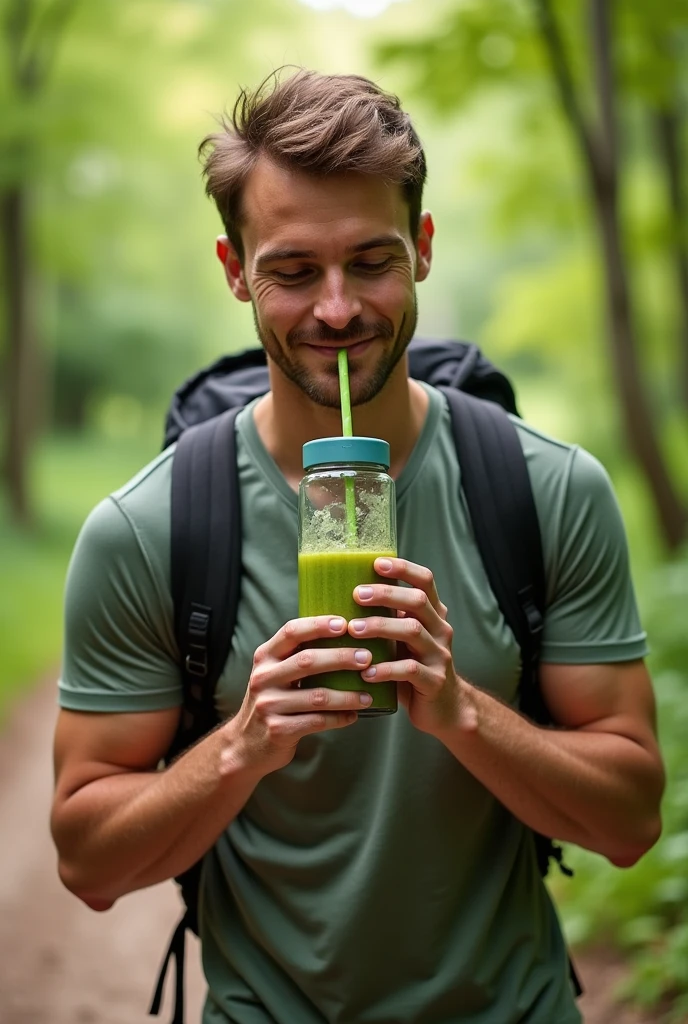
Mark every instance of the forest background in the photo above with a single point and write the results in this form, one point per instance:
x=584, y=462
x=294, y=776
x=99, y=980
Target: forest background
x=556, y=138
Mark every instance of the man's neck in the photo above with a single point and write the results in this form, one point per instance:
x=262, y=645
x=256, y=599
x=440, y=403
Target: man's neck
x=286, y=418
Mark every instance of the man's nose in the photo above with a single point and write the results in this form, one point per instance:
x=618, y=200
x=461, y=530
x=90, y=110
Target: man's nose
x=337, y=303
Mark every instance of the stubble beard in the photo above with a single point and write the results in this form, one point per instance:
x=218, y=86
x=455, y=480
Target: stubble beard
x=363, y=389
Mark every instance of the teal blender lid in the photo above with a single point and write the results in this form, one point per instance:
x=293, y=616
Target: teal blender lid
x=329, y=450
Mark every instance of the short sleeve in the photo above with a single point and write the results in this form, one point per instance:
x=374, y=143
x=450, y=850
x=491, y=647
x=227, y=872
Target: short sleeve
x=592, y=616
x=119, y=653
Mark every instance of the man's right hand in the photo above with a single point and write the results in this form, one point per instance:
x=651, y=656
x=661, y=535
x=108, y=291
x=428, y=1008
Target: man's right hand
x=275, y=713
x=119, y=824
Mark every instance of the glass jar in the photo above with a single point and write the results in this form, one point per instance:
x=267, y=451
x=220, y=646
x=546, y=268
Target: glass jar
x=347, y=519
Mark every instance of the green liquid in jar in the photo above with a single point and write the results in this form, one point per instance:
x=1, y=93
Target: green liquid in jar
x=326, y=584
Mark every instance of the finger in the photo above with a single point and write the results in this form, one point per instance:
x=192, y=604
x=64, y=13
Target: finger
x=295, y=726
x=297, y=632
x=315, y=700
x=423, y=679
x=418, y=576
x=410, y=601
x=409, y=631
x=305, y=663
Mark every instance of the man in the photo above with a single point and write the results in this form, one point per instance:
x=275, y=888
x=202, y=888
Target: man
x=356, y=871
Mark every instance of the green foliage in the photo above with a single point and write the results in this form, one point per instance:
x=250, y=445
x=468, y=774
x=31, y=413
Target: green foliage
x=476, y=46
x=71, y=476
x=644, y=910
x=489, y=60
x=127, y=304
x=653, y=42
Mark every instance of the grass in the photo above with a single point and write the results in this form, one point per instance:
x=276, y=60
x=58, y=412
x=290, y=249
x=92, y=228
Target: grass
x=70, y=476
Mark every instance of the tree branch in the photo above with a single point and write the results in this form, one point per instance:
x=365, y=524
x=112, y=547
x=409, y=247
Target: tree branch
x=563, y=77
x=33, y=52
x=48, y=35
x=17, y=27
x=606, y=142
x=599, y=149
x=668, y=131
x=667, y=124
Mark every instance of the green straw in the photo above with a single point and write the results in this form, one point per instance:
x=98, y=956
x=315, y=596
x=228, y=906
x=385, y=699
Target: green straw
x=347, y=431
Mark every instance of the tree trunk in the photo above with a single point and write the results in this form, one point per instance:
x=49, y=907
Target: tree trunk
x=637, y=416
x=30, y=37
x=667, y=132
x=19, y=378
x=603, y=172
x=599, y=152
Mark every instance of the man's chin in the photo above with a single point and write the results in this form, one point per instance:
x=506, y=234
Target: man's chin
x=318, y=377
x=325, y=392
x=319, y=388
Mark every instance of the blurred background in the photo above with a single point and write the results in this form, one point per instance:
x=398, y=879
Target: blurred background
x=556, y=138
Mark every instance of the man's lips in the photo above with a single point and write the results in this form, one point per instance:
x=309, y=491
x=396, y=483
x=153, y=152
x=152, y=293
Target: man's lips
x=331, y=348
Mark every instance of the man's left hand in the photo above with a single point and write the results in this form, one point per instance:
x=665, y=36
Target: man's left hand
x=429, y=687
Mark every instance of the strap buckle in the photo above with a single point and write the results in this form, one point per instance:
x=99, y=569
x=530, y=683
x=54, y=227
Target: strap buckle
x=531, y=611
x=196, y=662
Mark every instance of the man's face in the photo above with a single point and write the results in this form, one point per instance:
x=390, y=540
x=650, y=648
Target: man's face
x=329, y=263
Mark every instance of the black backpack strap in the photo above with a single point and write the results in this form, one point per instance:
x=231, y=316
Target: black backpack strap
x=496, y=486
x=205, y=561
x=499, y=496
x=176, y=949
x=206, y=579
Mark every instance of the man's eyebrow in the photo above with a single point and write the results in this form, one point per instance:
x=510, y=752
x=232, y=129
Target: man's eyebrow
x=285, y=254
x=381, y=241
x=278, y=255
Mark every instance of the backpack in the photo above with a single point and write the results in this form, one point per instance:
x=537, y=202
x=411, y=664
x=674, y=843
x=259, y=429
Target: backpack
x=206, y=539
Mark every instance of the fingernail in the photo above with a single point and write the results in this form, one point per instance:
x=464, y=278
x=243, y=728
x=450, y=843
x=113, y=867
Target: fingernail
x=362, y=657
x=384, y=564
x=358, y=625
x=369, y=673
x=365, y=593
x=337, y=625
x=365, y=698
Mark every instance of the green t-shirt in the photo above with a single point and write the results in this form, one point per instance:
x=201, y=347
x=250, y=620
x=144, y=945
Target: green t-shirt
x=373, y=880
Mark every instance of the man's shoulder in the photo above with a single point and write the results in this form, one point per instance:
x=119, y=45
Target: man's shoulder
x=556, y=467
x=132, y=521
x=120, y=652
x=152, y=481
x=549, y=458
x=537, y=442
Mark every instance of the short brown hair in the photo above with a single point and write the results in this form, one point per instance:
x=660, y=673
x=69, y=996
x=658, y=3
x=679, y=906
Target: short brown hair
x=319, y=124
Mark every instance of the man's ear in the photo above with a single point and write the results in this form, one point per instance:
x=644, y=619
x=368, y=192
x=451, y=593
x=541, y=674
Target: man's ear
x=234, y=271
x=426, y=230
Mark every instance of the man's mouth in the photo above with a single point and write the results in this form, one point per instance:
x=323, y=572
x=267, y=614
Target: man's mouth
x=332, y=347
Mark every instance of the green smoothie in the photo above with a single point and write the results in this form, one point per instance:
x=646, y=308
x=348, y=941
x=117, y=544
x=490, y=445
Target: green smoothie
x=326, y=583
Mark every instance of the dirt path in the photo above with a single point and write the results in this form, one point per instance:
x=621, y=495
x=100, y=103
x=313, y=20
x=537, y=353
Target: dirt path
x=63, y=964
x=60, y=963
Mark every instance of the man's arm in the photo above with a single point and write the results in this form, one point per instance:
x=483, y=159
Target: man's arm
x=119, y=824
x=595, y=780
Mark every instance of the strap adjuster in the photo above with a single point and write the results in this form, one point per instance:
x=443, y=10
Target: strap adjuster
x=199, y=623
x=198, y=634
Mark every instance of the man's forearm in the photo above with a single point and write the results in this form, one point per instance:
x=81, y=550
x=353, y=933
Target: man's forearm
x=133, y=829
x=597, y=789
